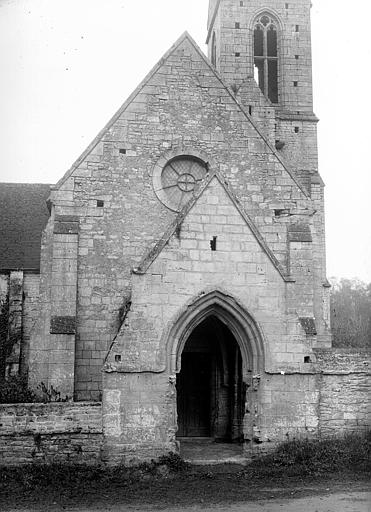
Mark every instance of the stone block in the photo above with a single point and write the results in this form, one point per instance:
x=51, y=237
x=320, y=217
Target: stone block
x=63, y=325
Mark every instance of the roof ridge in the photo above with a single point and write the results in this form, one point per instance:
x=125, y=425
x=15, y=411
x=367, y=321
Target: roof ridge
x=25, y=184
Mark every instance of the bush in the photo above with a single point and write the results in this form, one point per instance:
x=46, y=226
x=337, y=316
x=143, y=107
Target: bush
x=310, y=456
x=173, y=461
x=15, y=390
x=64, y=476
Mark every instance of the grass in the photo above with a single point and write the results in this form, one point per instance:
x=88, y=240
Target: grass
x=170, y=480
x=313, y=457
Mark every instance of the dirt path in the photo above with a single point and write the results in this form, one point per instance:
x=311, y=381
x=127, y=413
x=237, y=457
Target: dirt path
x=358, y=501
x=349, y=502
x=218, y=489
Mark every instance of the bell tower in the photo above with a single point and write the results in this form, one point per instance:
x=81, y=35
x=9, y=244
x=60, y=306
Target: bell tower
x=262, y=50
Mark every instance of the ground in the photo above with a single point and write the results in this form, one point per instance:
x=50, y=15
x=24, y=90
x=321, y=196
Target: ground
x=212, y=489
x=343, y=502
x=352, y=501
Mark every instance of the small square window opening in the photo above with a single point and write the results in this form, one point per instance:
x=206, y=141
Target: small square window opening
x=282, y=212
x=123, y=151
x=100, y=203
x=213, y=243
x=237, y=24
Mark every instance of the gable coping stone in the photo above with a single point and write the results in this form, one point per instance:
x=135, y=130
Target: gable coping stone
x=153, y=253
x=183, y=37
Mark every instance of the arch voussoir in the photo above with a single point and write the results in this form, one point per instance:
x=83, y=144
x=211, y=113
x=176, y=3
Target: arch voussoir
x=229, y=311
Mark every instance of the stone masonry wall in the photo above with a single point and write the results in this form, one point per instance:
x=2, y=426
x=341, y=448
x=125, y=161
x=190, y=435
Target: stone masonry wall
x=138, y=416
x=345, y=404
x=293, y=120
x=198, y=115
x=30, y=313
x=4, y=286
x=332, y=398
x=234, y=26
x=345, y=398
x=15, y=297
x=288, y=407
x=22, y=291
x=50, y=433
x=184, y=269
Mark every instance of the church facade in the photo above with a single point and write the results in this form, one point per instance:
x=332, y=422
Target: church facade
x=182, y=267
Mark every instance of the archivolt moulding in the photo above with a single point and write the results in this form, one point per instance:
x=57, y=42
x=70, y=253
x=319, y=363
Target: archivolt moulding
x=228, y=310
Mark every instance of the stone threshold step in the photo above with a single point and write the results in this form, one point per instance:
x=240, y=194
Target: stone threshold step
x=241, y=461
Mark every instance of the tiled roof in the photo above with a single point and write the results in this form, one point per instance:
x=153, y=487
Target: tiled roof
x=23, y=216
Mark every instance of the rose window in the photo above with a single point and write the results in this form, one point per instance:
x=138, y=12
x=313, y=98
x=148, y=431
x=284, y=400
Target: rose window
x=180, y=179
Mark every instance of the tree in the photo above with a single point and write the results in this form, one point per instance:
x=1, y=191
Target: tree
x=351, y=313
x=6, y=341
x=10, y=335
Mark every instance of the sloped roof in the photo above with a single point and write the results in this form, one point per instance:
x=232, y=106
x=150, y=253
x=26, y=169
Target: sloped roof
x=23, y=216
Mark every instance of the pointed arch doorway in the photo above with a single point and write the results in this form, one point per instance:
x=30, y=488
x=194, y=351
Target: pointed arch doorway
x=211, y=394
x=215, y=354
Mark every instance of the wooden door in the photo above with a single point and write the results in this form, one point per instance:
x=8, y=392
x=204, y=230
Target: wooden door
x=194, y=395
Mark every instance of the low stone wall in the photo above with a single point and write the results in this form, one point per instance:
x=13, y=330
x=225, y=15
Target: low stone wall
x=50, y=433
x=345, y=391
x=331, y=398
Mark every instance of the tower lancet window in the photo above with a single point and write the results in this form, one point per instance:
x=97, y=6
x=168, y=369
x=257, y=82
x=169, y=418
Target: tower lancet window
x=266, y=56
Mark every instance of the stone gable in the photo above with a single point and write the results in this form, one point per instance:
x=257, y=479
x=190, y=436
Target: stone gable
x=181, y=107
x=187, y=267
x=182, y=270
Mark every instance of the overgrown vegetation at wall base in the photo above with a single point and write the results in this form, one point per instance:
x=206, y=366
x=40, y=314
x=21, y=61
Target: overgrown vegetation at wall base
x=315, y=457
x=171, y=480
x=8, y=337
x=15, y=390
x=60, y=476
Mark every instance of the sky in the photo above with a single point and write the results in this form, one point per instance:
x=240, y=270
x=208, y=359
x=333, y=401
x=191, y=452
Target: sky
x=67, y=66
